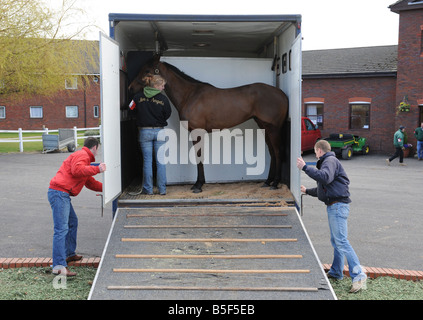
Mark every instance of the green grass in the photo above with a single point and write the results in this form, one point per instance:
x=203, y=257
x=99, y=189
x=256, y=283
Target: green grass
x=37, y=284
x=381, y=288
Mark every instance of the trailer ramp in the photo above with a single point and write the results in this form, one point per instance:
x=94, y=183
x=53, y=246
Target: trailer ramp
x=219, y=250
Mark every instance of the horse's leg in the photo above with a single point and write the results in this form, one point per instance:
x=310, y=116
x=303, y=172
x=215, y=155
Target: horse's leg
x=271, y=174
x=272, y=169
x=197, y=187
x=201, y=180
x=275, y=141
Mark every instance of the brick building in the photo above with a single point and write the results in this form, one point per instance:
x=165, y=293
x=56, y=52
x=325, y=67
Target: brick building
x=359, y=90
x=410, y=61
x=353, y=90
x=78, y=104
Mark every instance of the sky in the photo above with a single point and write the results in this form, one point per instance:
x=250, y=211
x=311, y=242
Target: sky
x=326, y=24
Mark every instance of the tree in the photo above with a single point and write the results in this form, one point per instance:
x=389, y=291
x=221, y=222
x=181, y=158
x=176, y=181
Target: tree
x=38, y=50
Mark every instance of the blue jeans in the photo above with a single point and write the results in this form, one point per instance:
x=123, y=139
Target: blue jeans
x=420, y=149
x=150, y=141
x=65, y=227
x=337, y=216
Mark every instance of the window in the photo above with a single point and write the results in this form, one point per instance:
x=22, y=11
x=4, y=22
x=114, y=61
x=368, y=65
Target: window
x=96, y=112
x=36, y=112
x=71, y=83
x=309, y=125
x=314, y=111
x=71, y=111
x=2, y=112
x=360, y=116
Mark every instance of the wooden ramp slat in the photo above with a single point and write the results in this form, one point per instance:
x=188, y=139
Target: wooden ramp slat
x=205, y=240
x=209, y=256
x=155, y=215
x=204, y=226
x=301, y=289
x=209, y=271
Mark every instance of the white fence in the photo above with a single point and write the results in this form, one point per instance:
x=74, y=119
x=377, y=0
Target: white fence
x=20, y=139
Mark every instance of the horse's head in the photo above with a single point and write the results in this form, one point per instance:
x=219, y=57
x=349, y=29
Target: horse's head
x=150, y=68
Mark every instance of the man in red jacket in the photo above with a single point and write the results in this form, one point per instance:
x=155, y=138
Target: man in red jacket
x=75, y=173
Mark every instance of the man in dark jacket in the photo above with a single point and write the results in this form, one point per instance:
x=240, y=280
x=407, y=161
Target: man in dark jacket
x=399, y=146
x=332, y=189
x=418, y=134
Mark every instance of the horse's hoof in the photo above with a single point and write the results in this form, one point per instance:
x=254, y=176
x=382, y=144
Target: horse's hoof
x=274, y=188
x=196, y=188
x=265, y=185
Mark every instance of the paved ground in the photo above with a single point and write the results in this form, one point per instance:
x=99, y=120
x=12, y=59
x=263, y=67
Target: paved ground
x=385, y=223
x=386, y=218
x=26, y=227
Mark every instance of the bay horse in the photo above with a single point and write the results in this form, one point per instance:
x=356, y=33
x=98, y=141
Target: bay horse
x=207, y=107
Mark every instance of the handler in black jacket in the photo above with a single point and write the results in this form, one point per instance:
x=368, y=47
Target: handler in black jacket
x=152, y=110
x=332, y=189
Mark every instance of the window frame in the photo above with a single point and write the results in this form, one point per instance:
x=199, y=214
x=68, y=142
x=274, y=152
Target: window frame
x=315, y=118
x=32, y=116
x=361, y=104
x=3, y=113
x=73, y=85
x=96, y=111
x=70, y=116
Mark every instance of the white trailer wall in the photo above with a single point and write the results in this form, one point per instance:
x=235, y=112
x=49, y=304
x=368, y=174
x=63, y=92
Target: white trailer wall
x=290, y=83
x=222, y=73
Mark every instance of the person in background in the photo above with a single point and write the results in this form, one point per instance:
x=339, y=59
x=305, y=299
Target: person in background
x=399, y=147
x=332, y=189
x=418, y=133
x=152, y=111
x=74, y=173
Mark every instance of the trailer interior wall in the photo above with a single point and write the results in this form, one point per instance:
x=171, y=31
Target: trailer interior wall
x=222, y=73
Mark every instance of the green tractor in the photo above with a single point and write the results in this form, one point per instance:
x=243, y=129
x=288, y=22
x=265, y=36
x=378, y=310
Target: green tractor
x=344, y=145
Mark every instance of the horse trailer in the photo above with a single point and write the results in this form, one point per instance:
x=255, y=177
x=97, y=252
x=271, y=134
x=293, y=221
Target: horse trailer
x=229, y=241
x=225, y=51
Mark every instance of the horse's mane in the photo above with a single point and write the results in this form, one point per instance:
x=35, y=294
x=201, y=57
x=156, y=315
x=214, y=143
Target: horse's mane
x=182, y=74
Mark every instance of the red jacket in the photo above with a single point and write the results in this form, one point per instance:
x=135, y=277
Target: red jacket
x=76, y=172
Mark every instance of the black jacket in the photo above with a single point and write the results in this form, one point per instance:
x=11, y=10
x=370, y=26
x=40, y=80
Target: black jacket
x=331, y=178
x=151, y=112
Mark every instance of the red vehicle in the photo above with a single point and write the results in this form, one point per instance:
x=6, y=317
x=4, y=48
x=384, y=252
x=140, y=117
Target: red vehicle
x=310, y=134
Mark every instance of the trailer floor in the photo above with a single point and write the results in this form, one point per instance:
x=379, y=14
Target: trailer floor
x=218, y=250
x=235, y=190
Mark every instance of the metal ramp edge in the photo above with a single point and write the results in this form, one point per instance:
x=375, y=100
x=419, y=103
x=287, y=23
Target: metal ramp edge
x=224, y=251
